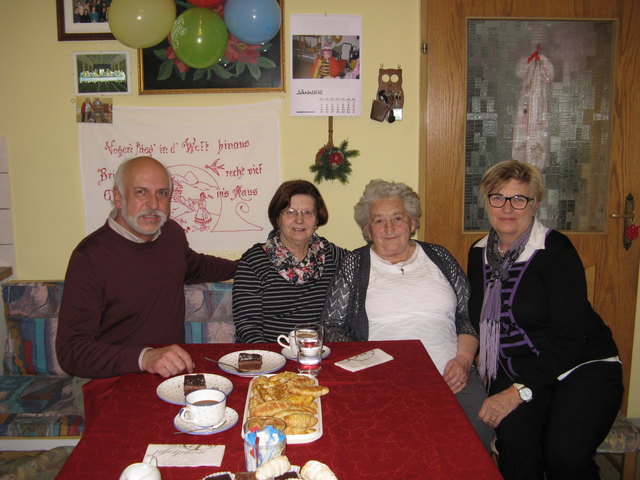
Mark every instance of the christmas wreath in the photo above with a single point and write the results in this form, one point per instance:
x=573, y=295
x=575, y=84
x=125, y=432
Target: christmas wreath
x=333, y=163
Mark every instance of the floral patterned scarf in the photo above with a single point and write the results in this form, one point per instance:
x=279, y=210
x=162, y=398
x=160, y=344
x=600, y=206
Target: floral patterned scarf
x=297, y=272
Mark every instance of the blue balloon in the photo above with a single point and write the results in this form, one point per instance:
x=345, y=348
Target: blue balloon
x=253, y=21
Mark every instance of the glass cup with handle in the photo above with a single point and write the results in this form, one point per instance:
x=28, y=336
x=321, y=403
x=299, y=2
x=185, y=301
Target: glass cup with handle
x=309, y=339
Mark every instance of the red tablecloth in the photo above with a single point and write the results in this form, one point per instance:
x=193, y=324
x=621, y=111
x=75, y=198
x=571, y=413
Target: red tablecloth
x=396, y=420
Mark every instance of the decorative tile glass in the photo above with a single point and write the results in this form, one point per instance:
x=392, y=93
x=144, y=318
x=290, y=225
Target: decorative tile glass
x=541, y=91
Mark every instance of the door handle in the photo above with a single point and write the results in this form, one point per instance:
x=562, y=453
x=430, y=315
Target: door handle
x=630, y=231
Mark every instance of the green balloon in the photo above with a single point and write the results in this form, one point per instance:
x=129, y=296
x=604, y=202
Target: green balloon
x=141, y=23
x=199, y=37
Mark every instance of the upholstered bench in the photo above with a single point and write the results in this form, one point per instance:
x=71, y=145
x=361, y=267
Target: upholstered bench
x=36, y=396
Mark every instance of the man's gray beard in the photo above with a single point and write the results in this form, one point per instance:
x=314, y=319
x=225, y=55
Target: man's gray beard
x=133, y=221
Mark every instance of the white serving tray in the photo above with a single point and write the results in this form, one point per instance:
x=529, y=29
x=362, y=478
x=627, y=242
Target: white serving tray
x=292, y=439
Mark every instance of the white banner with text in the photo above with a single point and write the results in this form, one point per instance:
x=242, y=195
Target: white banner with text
x=224, y=163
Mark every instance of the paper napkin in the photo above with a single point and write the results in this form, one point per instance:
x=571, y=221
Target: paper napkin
x=186, y=455
x=364, y=360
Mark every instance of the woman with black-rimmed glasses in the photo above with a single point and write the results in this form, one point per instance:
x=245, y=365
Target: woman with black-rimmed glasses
x=283, y=282
x=549, y=361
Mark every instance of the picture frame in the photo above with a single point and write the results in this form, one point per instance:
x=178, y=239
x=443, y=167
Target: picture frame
x=71, y=29
x=160, y=72
x=102, y=73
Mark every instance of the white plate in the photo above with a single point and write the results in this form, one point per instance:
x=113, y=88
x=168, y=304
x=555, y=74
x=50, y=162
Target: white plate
x=230, y=419
x=172, y=389
x=288, y=354
x=271, y=362
x=292, y=439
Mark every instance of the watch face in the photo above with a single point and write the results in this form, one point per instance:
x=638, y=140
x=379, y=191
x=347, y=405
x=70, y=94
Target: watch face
x=525, y=393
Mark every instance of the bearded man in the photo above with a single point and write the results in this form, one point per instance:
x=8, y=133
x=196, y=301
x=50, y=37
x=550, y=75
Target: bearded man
x=123, y=288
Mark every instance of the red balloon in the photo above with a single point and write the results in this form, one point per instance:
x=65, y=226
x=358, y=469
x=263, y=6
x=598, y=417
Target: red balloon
x=207, y=3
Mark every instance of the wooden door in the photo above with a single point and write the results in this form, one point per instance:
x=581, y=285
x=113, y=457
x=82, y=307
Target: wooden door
x=443, y=109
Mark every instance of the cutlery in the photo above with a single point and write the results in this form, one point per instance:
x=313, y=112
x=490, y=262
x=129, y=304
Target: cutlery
x=201, y=429
x=239, y=370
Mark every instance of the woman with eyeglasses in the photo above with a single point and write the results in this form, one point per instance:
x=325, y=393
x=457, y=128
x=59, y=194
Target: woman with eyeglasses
x=550, y=364
x=283, y=282
x=396, y=288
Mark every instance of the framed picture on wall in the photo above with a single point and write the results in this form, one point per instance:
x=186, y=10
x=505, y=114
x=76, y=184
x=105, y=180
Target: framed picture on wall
x=83, y=20
x=243, y=68
x=102, y=73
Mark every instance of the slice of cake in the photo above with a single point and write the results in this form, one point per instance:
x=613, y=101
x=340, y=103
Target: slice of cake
x=249, y=361
x=220, y=476
x=193, y=382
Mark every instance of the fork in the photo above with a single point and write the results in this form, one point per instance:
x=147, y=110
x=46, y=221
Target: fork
x=239, y=370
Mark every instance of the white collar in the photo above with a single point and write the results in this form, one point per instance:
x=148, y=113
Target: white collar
x=120, y=230
x=535, y=242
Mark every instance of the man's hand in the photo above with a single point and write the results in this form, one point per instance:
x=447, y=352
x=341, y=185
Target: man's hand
x=167, y=361
x=498, y=406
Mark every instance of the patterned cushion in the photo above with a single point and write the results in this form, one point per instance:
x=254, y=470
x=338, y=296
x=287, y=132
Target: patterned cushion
x=31, y=311
x=208, y=316
x=38, y=406
x=623, y=437
x=33, y=465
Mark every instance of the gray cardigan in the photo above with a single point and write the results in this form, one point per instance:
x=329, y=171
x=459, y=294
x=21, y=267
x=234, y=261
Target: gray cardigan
x=344, y=316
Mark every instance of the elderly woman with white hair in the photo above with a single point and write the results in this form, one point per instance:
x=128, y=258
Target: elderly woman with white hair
x=397, y=288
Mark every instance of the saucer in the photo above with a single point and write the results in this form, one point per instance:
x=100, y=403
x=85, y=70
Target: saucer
x=286, y=353
x=230, y=419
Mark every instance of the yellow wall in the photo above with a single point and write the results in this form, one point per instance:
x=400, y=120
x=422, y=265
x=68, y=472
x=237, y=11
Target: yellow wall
x=38, y=118
x=37, y=115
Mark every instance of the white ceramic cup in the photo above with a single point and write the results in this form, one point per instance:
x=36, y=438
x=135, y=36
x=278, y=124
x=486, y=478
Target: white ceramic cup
x=205, y=407
x=289, y=341
x=146, y=470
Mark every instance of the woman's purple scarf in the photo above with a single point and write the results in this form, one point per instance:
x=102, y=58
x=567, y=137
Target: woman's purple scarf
x=491, y=305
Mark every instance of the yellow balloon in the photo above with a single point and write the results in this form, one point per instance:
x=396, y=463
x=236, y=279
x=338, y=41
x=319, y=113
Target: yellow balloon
x=141, y=23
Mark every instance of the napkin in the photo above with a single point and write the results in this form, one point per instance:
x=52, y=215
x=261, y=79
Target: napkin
x=364, y=360
x=186, y=455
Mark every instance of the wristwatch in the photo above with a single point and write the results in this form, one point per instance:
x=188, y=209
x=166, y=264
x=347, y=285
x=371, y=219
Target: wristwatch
x=525, y=392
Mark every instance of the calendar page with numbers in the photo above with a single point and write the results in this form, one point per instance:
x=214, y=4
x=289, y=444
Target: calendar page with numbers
x=325, y=65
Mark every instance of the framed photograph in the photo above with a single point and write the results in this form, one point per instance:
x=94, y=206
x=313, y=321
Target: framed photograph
x=101, y=73
x=94, y=109
x=243, y=68
x=83, y=20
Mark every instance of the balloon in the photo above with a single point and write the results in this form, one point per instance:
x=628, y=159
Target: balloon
x=199, y=37
x=141, y=23
x=253, y=21
x=206, y=3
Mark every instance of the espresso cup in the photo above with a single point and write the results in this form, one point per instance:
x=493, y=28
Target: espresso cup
x=205, y=407
x=289, y=341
